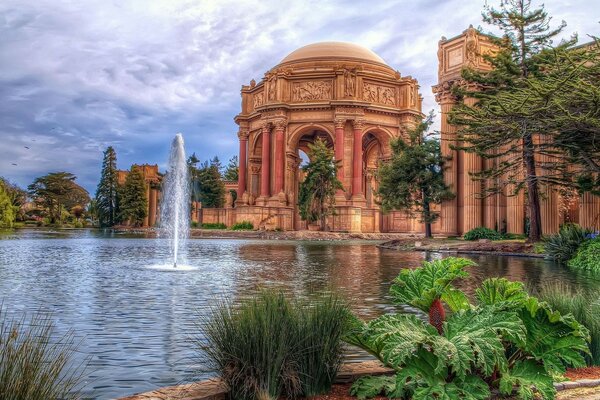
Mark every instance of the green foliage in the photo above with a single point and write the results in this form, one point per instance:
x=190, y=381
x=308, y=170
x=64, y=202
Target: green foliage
x=563, y=246
x=12, y=199
x=56, y=192
x=269, y=346
x=232, y=170
x=413, y=179
x=507, y=340
x=206, y=182
x=316, y=195
x=585, y=307
x=587, y=257
x=7, y=210
x=367, y=387
x=215, y=225
x=242, y=226
x=133, y=204
x=482, y=233
x=106, y=205
x=35, y=364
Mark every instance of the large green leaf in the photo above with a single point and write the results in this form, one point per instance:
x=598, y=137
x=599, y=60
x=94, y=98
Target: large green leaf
x=367, y=387
x=421, y=286
x=527, y=377
x=502, y=293
x=556, y=340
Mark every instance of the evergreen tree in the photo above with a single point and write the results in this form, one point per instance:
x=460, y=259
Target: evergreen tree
x=232, y=170
x=106, y=193
x=57, y=192
x=7, y=210
x=212, y=188
x=216, y=163
x=133, y=204
x=17, y=197
x=413, y=179
x=499, y=125
x=316, y=196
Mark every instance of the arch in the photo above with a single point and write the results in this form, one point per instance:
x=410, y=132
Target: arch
x=254, y=142
x=297, y=134
x=383, y=136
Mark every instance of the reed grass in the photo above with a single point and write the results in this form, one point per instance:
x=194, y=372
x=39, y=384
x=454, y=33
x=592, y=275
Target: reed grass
x=270, y=346
x=34, y=364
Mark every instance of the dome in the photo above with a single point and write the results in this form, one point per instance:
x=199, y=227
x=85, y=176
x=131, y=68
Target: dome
x=333, y=50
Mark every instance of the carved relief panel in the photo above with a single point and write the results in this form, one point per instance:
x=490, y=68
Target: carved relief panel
x=379, y=94
x=258, y=99
x=312, y=90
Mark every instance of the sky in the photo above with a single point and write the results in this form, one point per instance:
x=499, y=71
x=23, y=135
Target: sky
x=78, y=76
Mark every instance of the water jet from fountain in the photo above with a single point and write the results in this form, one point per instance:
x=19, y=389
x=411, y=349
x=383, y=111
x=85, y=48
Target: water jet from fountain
x=175, y=204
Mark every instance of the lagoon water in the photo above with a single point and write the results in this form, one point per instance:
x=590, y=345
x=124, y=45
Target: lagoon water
x=135, y=317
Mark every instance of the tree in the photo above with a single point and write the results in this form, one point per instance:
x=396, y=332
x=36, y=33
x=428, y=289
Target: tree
x=133, y=206
x=106, y=193
x=232, y=170
x=413, y=179
x=7, y=210
x=500, y=125
x=17, y=197
x=316, y=195
x=57, y=192
x=207, y=183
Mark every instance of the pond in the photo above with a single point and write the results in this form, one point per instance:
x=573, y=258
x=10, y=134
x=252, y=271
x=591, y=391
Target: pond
x=135, y=320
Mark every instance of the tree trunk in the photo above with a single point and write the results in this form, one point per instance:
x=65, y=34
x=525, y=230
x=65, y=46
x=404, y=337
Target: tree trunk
x=533, y=197
x=427, y=216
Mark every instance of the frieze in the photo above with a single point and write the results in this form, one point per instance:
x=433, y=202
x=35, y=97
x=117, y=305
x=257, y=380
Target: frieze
x=258, y=100
x=312, y=90
x=379, y=94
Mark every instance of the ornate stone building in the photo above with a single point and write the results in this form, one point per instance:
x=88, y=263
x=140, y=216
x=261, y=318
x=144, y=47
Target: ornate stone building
x=503, y=212
x=342, y=93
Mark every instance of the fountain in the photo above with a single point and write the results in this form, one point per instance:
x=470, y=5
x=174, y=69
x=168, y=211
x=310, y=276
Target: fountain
x=175, y=203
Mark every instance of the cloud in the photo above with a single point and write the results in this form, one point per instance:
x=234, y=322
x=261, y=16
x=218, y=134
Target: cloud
x=76, y=77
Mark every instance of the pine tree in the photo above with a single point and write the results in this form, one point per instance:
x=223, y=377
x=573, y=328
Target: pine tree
x=212, y=188
x=106, y=193
x=232, y=170
x=57, y=192
x=413, y=179
x=316, y=196
x=133, y=203
x=499, y=125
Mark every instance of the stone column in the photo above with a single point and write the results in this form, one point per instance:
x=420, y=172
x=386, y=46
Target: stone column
x=339, y=151
x=279, y=156
x=152, y=212
x=265, y=184
x=472, y=210
x=357, y=169
x=147, y=217
x=589, y=211
x=243, y=161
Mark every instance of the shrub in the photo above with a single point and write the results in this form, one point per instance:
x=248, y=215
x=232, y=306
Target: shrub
x=194, y=224
x=588, y=256
x=482, y=233
x=507, y=341
x=216, y=225
x=583, y=306
x=269, y=346
x=34, y=365
x=562, y=246
x=242, y=226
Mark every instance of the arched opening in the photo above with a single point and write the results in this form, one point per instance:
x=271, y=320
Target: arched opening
x=372, y=156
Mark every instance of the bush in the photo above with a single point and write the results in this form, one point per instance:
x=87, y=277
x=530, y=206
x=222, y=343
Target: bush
x=562, y=246
x=194, y=224
x=507, y=341
x=269, y=346
x=216, y=225
x=34, y=365
x=584, y=307
x=242, y=226
x=482, y=233
x=588, y=256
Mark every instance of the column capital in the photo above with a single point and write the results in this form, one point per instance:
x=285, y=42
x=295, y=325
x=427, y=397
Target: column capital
x=243, y=134
x=265, y=126
x=358, y=123
x=280, y=124
x=339, y=123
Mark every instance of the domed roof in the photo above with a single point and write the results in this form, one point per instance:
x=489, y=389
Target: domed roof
x=336, y=50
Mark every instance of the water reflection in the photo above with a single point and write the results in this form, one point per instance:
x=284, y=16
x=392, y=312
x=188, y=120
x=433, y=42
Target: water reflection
x=134, y=321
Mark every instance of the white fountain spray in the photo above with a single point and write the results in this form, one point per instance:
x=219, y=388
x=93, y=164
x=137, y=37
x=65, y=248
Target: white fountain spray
x=175, y=203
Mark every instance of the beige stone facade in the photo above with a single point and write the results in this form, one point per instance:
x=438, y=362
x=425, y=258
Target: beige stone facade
x=502, y=211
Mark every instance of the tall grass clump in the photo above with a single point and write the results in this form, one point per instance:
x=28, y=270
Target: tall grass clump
x=35, y=365
x=270, y=346
x=562, y=246
x=583, y=306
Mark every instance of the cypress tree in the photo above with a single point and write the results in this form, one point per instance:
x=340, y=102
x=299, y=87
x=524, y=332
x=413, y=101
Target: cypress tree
x=106, y=193
x=500, y=125
x=316, y=195
x=413, y=179
x=133, y=206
